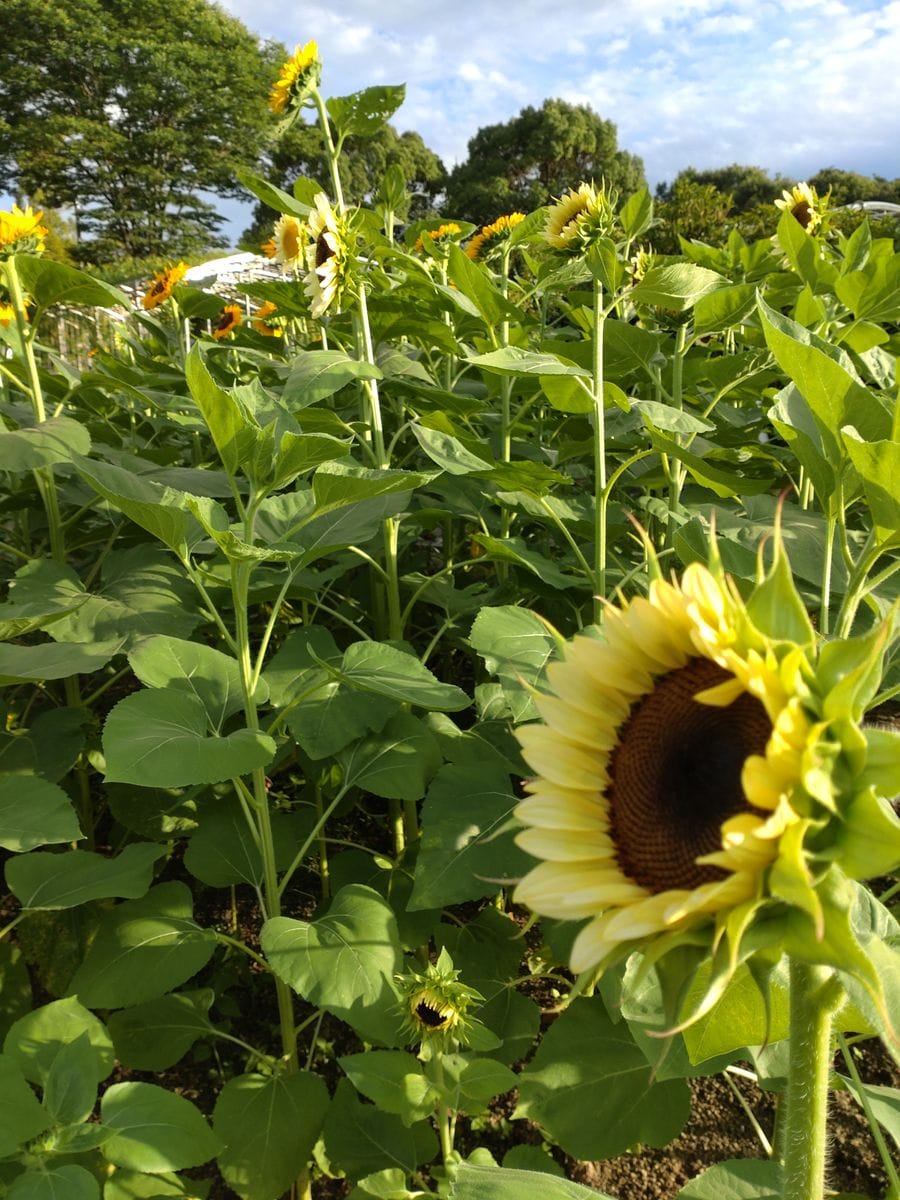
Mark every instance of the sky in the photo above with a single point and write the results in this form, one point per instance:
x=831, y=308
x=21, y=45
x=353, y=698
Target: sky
x=792, y=86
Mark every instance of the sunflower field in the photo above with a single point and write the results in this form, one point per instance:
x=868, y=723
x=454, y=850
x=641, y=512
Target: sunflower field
x=450, y=702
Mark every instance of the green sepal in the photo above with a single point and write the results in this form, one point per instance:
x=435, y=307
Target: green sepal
x=868, y=841
x=849, y=672
x=883, y=760
x=790, y=879
x=775, y=607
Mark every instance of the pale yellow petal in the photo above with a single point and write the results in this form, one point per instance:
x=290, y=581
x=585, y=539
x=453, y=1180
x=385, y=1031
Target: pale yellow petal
x=559, y=760
x=552, y=807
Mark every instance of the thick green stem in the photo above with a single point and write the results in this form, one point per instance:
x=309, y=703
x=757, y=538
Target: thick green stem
x=677, y=469
x=814, y=993
x=333, y=152
x=599, y=431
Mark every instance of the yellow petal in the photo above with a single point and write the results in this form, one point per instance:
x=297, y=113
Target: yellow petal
x=552, y=807
x=562, y=845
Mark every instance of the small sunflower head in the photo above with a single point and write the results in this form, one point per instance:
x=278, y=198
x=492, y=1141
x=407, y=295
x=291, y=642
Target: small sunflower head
x=580, y=217
x=299, y=76
x=161, y=286
x=21, y=232
x=802, y=201
x=229, y=319
x=436, y=1008
x=7, y=314
x=703, y=766
x=288, y=242
x=491, y=237
x=262, y=320
x=438, y=239
x=328, y=257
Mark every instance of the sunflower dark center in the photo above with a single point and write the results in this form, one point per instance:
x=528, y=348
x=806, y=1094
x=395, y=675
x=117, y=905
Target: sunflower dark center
x=323, y=250
x=429, y=1016
x=675, y=776
x=801, y=212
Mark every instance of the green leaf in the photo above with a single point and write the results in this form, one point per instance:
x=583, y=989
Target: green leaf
x=589, y=1087
x=724, y=308
x=878, y=466
x=381, y=668
x=394, y=1081
x=883, y=1101
x=53, y=441
x=736, y=1179
x=55, y=1182
x=317, y=374
x=334, y=715
x=223, y=851
x=132, y=1185
x=672, y=420
x=467, y=848
x=70, y=1090
x=474, y=1081
x=515, y=550
x=345, y=961
x=35, y=1040
x=15, y=987
x=142, y=949
x=47, y=880
x=742, y=1017
x=49, y=282
x=451, y=454
x=233, y=430
x=677, y=286
x=567, y=394
x=34, y=813
x=156, y=1035
x=271, y=196
x=395, y=763
x=718, y=479
x=21, y=1116
x=269, y=1125
x=159, y=739
x=474, y=282
x=361, y=1139
x=194, y=669
x=363, y=113
x=516, y=646
x=511, y=360
x=51, y=661
x=636, y=213
x=475, y=1182
x=802, y=252
x=154, y=1130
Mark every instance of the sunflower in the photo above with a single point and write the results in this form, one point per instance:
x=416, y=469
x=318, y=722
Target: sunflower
x=261, y=323
x=489, y=235
x=161, y=287
x=21, y=232
x=327, y=256
x=299, y=75
x=435, y=1007
x=679, y=766
x=438, y=235
x=7, y=314
x=580, y=215
x=229, y=319
x=288, y=241
x=803, y=203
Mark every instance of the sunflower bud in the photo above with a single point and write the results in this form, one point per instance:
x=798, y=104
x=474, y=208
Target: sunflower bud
x=436, y=1008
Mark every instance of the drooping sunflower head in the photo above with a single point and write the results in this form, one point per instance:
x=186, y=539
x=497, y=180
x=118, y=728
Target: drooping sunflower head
x=288, y=241
x=579, y=217
x=162, y=284
x=489, y=237
x=262, y=322
x=687, y=767
x=229, y=319
x=299, y=75
x=436, y=1008
x=443, y=234
x=328, y=257
x=21, y=232
x=803, y=203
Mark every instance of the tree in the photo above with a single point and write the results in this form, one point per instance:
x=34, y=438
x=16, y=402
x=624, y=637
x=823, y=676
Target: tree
x=300, y=153
x=847, y=186
x=692, y=211
x=534, y=158
x=126, y=112
x=747, y=186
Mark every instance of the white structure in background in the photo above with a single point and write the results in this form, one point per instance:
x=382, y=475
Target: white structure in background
x=875, y=208
x=221, y=274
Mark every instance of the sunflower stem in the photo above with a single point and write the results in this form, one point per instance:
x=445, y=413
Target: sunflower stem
x=599, y=430
x=814, y=993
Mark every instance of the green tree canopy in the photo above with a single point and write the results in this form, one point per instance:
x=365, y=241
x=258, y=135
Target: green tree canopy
x=847, y=186
x=131, y=112
x=535, y=157
x=747, y=186
x=300, y=153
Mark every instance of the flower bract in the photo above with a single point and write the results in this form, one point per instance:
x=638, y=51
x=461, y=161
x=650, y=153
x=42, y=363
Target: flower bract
x=299, y=75
x=436, y=1007
x=685, y=769
x=21, y=232
x=161, y=287
x=229, y=319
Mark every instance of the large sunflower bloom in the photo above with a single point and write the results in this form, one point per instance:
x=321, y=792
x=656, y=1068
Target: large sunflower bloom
x=327, y=256
x=299, y=75
x=580, y=215
x=678, y=768
x=21, y=232
x=802, y=202
x=161, y=287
